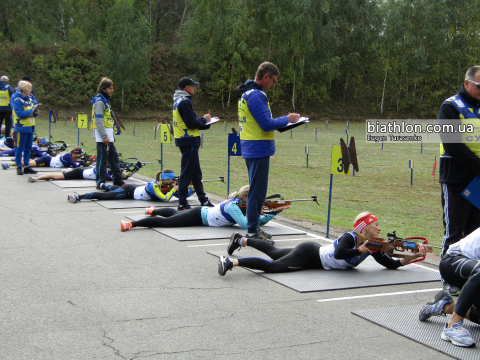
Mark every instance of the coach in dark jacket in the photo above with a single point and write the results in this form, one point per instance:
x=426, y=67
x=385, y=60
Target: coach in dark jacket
x=460, y=162
x=186, y=127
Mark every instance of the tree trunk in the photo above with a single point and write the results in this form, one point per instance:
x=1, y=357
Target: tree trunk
x=293, y=92
x=384, y=84
x=62, y=24
x=182, y=19
x=122, y=97
x=100, y=3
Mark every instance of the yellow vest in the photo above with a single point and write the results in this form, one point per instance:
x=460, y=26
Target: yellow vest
x=4, y=98
x=249, y=128
x=180, y=130
x=30, y=121
x=469, y=117
x=108, y=121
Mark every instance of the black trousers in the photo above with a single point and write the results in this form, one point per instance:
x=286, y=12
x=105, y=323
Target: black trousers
x=124, y=192
x=172, y=218
x=303, y=256
x=463, y=273
x=460, y=216
x=112, y=157
x=7, y=115
x=190, y=173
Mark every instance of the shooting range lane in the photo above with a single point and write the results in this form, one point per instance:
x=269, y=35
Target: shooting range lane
x=368, y=273
x=193, y=233
x=132, y=204
x=87, y=183
x=426, y=333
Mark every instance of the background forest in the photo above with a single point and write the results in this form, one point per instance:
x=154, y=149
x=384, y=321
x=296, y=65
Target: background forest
x=356, y=58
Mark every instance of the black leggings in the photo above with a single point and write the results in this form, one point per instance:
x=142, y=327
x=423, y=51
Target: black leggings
x=303, y=256
x=124, y=192
x=74, y=174
x=464, y=273
x=172, y=218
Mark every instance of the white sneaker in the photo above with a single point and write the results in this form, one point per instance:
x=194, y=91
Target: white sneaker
x=458, y=335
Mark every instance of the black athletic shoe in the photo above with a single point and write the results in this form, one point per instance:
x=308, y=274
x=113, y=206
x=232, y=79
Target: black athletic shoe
x=224, y=264
x=19, y=170
x=234, y=242
x=29, y=170
x=184, y=207
x=207, y=203
x=264, y=234
x=259, y=236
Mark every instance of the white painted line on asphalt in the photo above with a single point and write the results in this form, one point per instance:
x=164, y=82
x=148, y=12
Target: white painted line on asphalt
x=225, y=244
x=378, y=295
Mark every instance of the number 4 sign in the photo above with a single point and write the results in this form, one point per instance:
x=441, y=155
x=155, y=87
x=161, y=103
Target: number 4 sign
x=234, y=148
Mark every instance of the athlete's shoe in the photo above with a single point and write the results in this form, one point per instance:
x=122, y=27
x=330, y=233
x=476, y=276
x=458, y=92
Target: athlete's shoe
x=235, y=242
x=31, y=179
x=184, y=207
x=435, y=308
x=5, y=166
x=259, y=236
x=19, y=170
x=453, y=290
x=148, y=211
x=102, y=186
x=29, y=170
x=125, y=225
x=207, y=203
x=224, y=264
x=458, y=335
x=73, y=198
x=264, y=234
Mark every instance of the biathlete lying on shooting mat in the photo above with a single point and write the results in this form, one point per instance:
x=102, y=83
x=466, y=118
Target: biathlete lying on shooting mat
x=70, y=174
x=162, y=189
x=67, y=160
x=342, y=254
x=227, y=213
x=459, y=267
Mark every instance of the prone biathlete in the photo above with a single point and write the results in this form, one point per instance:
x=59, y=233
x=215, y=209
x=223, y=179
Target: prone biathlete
x=67, y=160
x=460, y=267
x=227, y=213
x=342, y=254
x=151, y=191
x=44, y=160
x=70, y=174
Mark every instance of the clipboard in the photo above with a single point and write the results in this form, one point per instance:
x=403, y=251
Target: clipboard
x=472, y=192
x=301, y=121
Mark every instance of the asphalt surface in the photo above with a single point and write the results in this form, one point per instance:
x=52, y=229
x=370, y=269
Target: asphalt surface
x=73, y=286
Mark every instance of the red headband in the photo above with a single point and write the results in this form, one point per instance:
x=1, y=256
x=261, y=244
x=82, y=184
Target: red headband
x=364, y=221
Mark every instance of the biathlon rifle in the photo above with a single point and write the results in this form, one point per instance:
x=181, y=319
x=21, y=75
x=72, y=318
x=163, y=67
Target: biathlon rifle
x=129, y=168
x=167, y=188
x=272, y=206
x=55, y=147
x=396, y=244
x=118, y=122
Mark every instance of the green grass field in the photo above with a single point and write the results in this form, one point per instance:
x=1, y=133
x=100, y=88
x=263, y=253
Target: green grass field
x=382, y=186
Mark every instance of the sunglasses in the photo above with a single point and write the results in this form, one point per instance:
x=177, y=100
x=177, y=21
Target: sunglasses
x=275, y=80
x=476, y=84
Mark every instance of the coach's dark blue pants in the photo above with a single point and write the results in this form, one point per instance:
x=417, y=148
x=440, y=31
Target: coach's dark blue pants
x=24, y=147
x=190, y=173
x=101, y=168
x=258, y=181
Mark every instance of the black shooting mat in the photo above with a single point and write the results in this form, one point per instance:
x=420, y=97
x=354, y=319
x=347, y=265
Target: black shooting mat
x=192, y=233
x=130, y=203
x=404, y=321
x=368, y=273
x=87, y=183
